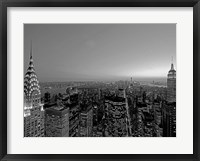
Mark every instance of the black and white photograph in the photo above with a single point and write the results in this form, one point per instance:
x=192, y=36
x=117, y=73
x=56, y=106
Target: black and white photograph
x=100, y=80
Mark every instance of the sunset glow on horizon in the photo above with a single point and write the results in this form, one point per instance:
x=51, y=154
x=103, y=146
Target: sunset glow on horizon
x=81, y=52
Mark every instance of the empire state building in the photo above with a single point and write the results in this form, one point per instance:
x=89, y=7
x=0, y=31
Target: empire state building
x=171, y=85
x=33, y=109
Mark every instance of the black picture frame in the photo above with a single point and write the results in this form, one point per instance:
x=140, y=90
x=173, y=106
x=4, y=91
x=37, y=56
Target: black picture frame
x=4, y=4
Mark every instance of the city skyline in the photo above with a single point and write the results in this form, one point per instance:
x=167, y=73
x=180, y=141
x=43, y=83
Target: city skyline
x=100, y=52
x=79, y=102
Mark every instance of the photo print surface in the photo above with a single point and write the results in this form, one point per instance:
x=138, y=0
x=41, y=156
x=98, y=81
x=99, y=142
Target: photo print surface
x=99, y=80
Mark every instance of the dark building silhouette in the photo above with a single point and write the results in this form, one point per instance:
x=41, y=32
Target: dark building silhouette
x=169, y=119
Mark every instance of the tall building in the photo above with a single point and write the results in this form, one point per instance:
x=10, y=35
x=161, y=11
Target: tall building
x=171, y=85
x=169, y=119
x=74, y=108
x=33, y=108
x=169, y=107
x=157, y=113
x=73, y=119
x=57, y=121
x=116, y=124
x=86, y=121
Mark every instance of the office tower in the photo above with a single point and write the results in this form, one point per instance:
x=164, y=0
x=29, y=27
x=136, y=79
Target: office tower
x=57, y=121
x=157, y=113
x=86, y=121
x=171, y=85
x=33, y=108
x=169, y=119
x=116, y=123
x=74, y=109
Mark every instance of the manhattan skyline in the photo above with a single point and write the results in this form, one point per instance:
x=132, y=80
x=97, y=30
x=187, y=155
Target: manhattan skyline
x=100, y=80
x=100, y=52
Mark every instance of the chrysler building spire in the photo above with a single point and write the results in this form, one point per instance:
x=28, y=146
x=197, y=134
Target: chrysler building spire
x=31, y=83
x=33, y=108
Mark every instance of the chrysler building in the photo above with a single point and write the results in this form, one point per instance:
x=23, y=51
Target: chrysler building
x=33, y=109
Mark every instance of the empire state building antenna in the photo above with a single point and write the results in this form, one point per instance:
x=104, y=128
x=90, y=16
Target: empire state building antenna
x=31, y=51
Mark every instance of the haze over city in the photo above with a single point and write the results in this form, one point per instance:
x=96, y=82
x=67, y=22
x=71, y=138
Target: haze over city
x=100, y=52
x=100, y=80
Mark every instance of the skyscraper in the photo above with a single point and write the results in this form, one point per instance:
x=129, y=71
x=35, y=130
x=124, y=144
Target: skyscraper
x=169, y=119
x=169, y=107
x=74, y=109
x=171, y=85
x=116, y=124
x=57, y=121
x=86, y=121
x=33, y=108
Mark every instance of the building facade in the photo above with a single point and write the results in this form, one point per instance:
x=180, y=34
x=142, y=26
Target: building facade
x=115, y=117
x=74, y=109
x=169, y=106
x=57, y=122
x=169, y=119
x=86, y=121
x=33, y=108
x=73, y=120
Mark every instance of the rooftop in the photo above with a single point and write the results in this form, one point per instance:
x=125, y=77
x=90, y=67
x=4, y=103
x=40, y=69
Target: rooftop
x=115, y=98
x=86, y=108
x=57, y=110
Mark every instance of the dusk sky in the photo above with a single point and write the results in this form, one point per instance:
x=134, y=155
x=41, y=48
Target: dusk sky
x=85, y=52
